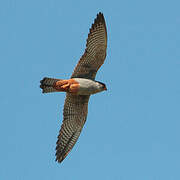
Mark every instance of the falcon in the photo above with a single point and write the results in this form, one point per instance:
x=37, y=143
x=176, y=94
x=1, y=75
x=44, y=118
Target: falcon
x=79, y=87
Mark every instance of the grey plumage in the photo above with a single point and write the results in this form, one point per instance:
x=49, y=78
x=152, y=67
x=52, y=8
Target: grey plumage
x=76, y=102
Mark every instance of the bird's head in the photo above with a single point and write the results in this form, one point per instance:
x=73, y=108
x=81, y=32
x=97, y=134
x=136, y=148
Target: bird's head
x=102, y=86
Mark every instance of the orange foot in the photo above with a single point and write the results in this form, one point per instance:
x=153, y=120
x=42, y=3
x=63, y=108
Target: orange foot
x=69, y=85
x=61, y=85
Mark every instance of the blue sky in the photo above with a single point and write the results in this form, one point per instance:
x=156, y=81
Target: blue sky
x=132, y=130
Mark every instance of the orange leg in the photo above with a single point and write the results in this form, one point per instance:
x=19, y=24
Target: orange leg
x=74, y=88
x=61, y=85
x=65, y=86
x=69, y=85
x=61, y=82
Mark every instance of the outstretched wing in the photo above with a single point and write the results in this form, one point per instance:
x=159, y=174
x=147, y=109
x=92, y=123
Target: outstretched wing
x=75, y=113
x=95, y=52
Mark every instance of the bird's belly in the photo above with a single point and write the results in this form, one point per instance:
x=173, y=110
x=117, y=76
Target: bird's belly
x=86, y=87
x=86, y=90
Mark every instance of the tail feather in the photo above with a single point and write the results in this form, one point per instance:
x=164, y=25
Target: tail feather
x=47, y=85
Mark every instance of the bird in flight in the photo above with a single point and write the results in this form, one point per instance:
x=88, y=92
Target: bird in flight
x=79, y=87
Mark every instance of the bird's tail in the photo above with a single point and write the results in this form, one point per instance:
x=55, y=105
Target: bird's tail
x=47, y=85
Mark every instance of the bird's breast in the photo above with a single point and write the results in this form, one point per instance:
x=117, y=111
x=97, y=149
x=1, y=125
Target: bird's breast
x=86, y=86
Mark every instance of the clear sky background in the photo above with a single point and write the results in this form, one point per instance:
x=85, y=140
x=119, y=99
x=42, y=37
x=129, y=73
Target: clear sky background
x=132, y=130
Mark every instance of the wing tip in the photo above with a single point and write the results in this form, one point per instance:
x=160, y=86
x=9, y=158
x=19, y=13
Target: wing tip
x=100, y=14
x=100, y=18
x=60, y=157
x=59, y=160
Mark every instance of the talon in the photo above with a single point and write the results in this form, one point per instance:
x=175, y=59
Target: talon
x=65, y=87
x=62, y=85
x=61, y=82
